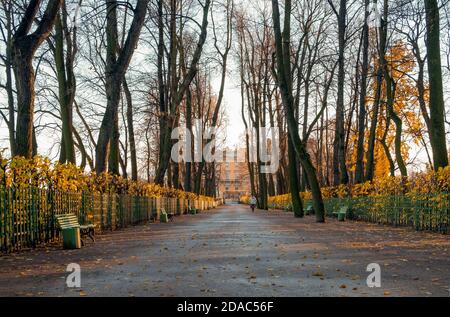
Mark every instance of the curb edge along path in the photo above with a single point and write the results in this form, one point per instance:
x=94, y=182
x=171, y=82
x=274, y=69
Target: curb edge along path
x=233, y=252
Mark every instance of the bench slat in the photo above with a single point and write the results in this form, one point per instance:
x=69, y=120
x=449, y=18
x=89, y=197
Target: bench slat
x=87, y=226
x=69, y=227
x=67, y=221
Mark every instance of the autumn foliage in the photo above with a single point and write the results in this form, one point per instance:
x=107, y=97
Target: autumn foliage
x=39, y=172
x=416, y=185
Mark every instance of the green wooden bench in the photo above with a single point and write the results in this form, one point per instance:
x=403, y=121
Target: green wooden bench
x=171, y=216
x=289, y=208
x=310, y=210
x=342, y=213
x=166, y=216
x=193, y=211
x=73, y=233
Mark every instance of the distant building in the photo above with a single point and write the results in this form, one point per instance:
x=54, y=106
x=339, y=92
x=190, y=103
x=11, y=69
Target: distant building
x=234, y=179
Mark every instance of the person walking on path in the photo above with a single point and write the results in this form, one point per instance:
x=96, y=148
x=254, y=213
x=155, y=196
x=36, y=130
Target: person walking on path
x=253, y=203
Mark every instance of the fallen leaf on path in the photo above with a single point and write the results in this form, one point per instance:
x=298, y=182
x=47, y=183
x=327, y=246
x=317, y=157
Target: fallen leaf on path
x=318, y=274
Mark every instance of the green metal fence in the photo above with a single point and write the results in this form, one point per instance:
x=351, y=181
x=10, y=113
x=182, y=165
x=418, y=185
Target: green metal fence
x=27, y=215
x=422, y=212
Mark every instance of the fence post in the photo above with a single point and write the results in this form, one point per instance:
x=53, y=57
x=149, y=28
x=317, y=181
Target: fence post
x=158, y=207
x=51, y=216
x=148, y=208
x=32, y=217
x=2, y=210
x=179, y=206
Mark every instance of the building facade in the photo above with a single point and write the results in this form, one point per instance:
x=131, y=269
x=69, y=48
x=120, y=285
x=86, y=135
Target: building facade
x=234, y=178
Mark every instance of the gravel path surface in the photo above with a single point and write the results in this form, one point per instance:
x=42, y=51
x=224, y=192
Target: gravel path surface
x=233, y=252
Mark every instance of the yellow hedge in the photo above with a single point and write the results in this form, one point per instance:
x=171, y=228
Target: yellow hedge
x=41, y=173
x=422, y=183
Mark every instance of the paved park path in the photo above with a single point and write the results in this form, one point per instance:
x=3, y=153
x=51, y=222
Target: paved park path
x=233, y=252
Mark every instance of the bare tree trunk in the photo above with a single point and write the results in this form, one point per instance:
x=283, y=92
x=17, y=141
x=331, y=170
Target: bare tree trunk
x=370, y=156
x=284, y=80
x=386, y=147
x=437, y=106
x=130, y=123
x=297, y=204
x=262, y=181
x=116, y=66
x=148, y=156
x=7, y=7
x=177, y=98
x=24, y=46
x=224, y=62
x=339, y=159
x=359, y=173
x=390, y=93
x=66, y=84
x=85, y=158
x=163, y=107
x=34, y=143
x=247, y=141
x=189, y=147
x=114, y=147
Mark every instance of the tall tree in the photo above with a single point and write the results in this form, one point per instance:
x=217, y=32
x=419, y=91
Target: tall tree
x=242, y=51
x=437, y=106
x=339, y=158
x=64, y=51
x=370, y=155
x=24, y=46
x=131, y=134
x=116, y=66
x=167, y=117
x=7, y=38
x=223, y=53
x=359, y=175
x=390, y=91
x=284, y=81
